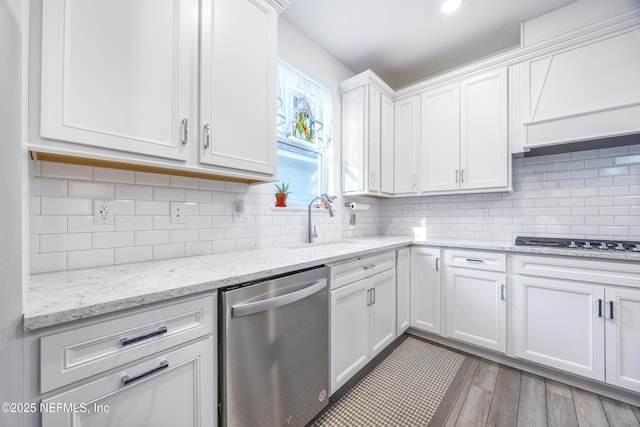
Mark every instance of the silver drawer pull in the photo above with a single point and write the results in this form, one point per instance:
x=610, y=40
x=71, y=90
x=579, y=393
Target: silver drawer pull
x=368, y=267
x=126, y=341
x=479, y=261
x=185, y=131
x=126, y=380
x=207, y=136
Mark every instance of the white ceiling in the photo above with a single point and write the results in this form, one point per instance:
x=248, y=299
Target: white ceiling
x=404, y=41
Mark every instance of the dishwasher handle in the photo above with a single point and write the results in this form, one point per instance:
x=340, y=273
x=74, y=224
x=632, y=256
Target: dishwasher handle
x=249, y=308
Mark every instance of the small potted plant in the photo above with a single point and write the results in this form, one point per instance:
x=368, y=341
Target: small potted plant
x=282, y=191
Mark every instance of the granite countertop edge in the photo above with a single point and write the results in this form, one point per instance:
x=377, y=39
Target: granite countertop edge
x=61, y=297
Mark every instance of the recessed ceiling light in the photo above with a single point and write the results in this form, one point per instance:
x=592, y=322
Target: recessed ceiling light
x=450, y=6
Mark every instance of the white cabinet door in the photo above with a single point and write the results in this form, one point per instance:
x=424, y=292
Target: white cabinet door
x=622, y=331
x=484, y=151
x=176, y=388
x=403, y=290
x=382, y=311
x=353, y=140
x=120, y=77
x=476, y=307
x=440, y=139
x=238, y=85
x=406, y=146
x=425, y=289
x=558, y=323
x=374, y=140
x=386, y=144
x=349, y=332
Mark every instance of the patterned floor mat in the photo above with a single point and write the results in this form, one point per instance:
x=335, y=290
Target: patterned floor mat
x=405, y=389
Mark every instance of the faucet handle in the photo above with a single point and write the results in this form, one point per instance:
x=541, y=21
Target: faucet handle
x=315, y=232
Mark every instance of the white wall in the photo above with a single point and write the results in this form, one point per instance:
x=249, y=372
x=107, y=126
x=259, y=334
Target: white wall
x=11, y=359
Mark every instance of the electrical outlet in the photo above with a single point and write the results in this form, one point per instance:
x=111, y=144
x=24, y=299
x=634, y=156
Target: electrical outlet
x=103, y=212
x=178, y=213
x=484, y=216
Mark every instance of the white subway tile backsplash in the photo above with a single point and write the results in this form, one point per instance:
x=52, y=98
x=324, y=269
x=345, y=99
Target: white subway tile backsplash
x=65, y=206
x=112, y=239
x=66, y=171
x=43, y=263
x=113, y=175
x=133, y=254
x=168, y=251
x=126, y=222
x=143, y=207
x=49, y=187
x=134, y=192
x=48, y=224
x=65, y=242
x=184, y=182
x=169, y=194
x=85, y=224
x=90, y=189
x=582, y=194
x=91, y=258
x=146, y=178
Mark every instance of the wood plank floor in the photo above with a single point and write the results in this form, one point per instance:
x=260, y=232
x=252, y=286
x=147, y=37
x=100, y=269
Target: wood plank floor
x=497, y=395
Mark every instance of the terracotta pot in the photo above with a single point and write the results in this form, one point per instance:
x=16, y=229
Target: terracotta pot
x=281, y=200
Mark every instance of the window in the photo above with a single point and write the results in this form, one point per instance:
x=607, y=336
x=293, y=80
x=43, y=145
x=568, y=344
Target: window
x=304, y=134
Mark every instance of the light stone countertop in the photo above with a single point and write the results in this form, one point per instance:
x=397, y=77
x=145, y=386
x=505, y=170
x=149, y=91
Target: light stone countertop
x=55, y=298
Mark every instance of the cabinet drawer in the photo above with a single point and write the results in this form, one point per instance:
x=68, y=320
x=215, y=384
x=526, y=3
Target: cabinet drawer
x=490, y=261
x=592, y=271
x=361, y=268
x=79, y=353
x=174, y=388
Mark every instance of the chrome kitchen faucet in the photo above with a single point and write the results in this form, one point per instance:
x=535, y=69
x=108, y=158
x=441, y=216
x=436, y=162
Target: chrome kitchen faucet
x=313, y=234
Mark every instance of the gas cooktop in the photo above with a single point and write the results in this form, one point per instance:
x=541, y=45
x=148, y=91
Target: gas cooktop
x=588, y=244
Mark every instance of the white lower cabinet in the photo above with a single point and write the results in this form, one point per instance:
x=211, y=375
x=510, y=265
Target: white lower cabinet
x=172, y=389
x=403, y=290
x=476, y=299
x=363, y=323
x=154, y=366
x=568, y=314
x=425, y=289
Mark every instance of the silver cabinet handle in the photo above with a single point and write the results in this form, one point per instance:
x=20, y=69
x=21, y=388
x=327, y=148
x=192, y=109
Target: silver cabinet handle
x=372, y=177
x=414, y=181
x=461, y=175
x=246, y=309
x=185, y=131
x=126, y=380
x=373, y=296
x=368, y=297
x=437, y=264
x=479, y=261
x=502, y=289
x=370, y=266
x=207, y=136
x=126, y=341
x=457, y=176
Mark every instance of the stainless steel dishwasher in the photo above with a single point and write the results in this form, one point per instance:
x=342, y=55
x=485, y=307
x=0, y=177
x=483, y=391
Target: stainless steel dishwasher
x=274, y=350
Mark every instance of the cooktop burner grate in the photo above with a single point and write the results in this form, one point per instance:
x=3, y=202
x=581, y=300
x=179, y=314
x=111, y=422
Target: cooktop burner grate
x=588, y=244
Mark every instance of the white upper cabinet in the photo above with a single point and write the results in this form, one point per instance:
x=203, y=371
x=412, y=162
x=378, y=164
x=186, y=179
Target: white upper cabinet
x=238, y=85
x=440, y=139
x=584, y=91
x=484, y=148
x=407, y=133
x=463, y=136
x=186, y=87
x=120, y=77
x=367, y=136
